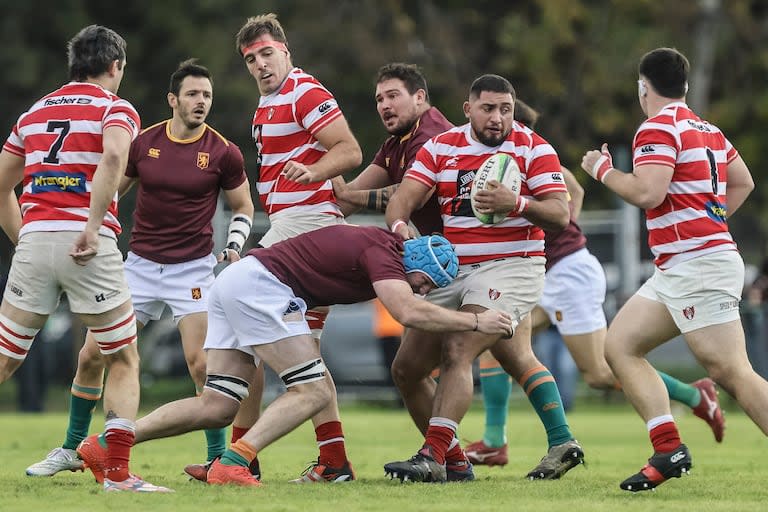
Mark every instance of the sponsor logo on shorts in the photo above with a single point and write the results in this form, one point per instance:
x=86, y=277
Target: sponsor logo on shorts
x=197, y=293
x=494, y=294
x=729, y=305
x=689, y=312
x=15, y=290
x=102, y=297
x=203, y=159
x=292, y=307
x=57, y=181
x=153, y=153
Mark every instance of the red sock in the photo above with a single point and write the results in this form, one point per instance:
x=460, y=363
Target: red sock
x=330, y=440
x=439, y=439
x=119, y=443
x=455, y=454
x=237, y=433
x=665, y=437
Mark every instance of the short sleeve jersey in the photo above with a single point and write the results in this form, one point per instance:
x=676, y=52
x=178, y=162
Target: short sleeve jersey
x=60, y=139
x=284, y=128
x=397, y=154
x=450, y=160
x=335, y=264
x=178, y=189
x=691, y=220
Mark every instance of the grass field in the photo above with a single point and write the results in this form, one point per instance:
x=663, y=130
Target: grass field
x=731, y=476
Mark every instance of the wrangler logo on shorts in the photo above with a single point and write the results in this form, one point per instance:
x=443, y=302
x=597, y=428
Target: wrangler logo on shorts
x=689, y=312
x=494, y=294
x=203, y=159
x=197, y=294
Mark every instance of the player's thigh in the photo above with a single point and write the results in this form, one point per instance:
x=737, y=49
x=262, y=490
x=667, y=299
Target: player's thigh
x=587, y=350
x=193, y=329
x=418, y=354
x=719, y=347
x=288, y=353
x=640, y=326
x=515, y=354
x=232, y=362
x=539, y=320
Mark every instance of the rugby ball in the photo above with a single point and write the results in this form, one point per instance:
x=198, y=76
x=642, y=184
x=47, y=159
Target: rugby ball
x=502, y=168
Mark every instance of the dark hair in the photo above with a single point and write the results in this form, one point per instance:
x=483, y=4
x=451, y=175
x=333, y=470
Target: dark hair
x=525, y=113
x=259, y=25
x=189, y=67
x=93, y=50
x=491, y=83
x=667, y=69
x=410, y=74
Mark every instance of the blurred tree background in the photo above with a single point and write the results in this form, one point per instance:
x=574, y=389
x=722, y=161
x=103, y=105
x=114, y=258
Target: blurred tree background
x=574, y=60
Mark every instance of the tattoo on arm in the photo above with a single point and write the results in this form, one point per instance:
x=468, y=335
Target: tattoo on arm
x=379, y=198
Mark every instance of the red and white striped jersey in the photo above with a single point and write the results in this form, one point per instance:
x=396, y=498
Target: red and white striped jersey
x=691, y=221
x=450, y=160
x=60, y=139
x=284, y=128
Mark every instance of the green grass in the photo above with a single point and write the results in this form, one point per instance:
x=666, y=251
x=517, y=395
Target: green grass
x=730, y=476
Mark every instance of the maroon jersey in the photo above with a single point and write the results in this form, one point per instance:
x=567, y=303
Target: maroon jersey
x=179, y=183
x=559, y=244
x=335, y=264
x=397, y=154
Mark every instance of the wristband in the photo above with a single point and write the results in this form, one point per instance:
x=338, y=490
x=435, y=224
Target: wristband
x=476, y=322
x=522, y=205
x=396, y=225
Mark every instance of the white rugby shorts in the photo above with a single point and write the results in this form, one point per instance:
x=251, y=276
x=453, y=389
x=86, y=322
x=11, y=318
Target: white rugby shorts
x=699, y=292
x=183, y=287
x=574, y=292
x=249, y=306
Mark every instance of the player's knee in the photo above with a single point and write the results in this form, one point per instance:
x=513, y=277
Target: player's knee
x=89, y=361
x=8, y=367
x=599, y=379
x=309, y=378
x=222, y=395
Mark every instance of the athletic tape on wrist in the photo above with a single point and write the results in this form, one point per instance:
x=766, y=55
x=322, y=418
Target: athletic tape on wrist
x=239, y=230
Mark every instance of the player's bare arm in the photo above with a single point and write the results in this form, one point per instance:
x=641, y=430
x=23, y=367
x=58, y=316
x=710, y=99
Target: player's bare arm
x=645, y=187
x=344, y=154
x=740, y=184
x=240, y=202
x=575, y=191
x=371, y=189
x=409, y=197
x=11, y=174
x=412, y=311
x=111, y=167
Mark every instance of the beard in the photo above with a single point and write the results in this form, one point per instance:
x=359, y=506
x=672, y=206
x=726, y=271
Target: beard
x=491, y=140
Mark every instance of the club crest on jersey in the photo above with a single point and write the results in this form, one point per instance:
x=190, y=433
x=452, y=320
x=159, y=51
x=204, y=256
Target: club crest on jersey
x=203, y=159
x=689, y=312
x=494, y=294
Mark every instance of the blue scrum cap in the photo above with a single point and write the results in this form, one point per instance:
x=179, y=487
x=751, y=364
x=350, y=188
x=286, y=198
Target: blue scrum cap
x=432, y=255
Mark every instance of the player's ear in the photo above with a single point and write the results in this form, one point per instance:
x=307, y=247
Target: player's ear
x=466, y=109
x=173, y=101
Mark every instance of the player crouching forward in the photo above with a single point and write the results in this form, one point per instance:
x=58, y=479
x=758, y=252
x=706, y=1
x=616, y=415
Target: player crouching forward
x=256, y=312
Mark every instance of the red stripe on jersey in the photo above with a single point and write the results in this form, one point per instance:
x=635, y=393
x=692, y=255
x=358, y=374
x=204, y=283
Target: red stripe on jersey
x=449, y=162
x=691, y=219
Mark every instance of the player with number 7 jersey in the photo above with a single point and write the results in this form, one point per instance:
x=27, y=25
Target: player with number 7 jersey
x=60, y=137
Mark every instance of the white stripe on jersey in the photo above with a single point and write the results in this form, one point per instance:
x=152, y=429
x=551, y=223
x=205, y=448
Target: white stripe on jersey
x=511, y=247
x=658, y=150
x=472, y=222
x=689, y=244
x=61, y=225
x=695, y=187
x=675, y=217
x=64, y=157
x=75, y=126
x=278, y=158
